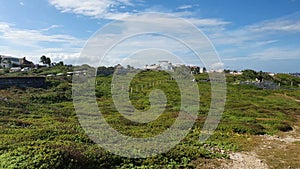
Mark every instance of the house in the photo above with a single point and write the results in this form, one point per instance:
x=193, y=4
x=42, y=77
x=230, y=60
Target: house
x=9, y=62
x=152, y=67
x=197, y=69
x=202, y=70
x=235, y=72
x=162, y=65
x=25, y=63
x=271, y=74
x=5, y=63
x=165, y=65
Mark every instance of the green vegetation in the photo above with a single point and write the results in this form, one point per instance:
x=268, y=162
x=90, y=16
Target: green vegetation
x=45, y=60
x=287, y=80
x=39, y=127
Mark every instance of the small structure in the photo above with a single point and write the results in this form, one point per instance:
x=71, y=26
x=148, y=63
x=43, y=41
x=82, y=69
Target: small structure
x=15, y=69
x=202, y=70
x=271, y=74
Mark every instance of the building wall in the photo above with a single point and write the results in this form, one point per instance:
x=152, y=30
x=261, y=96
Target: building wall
x=22, y=82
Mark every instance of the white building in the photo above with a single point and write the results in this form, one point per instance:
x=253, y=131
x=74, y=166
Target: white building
x=5, y=64
x=162, y=65
x=236, y=72
x=165, y=65
x=8, y=61
x=152, y=67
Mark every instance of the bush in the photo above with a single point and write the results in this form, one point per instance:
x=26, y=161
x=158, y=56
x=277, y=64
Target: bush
x=31, y=157
x=284, y=127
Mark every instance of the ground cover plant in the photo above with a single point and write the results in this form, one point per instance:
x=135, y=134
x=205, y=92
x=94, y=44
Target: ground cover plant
x=39, y=127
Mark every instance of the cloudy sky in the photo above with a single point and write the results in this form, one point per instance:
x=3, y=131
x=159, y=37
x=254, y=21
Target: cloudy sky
x=256, y=34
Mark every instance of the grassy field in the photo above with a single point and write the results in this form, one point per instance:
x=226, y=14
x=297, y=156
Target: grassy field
x=39, y=127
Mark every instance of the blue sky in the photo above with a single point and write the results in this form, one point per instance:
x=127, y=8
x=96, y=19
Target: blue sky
x=256, y=34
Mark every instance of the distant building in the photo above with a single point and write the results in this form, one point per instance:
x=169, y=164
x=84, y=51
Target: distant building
x=165, y=65
x=9, y=62
x=295, y=74
x=236, y=72
x=197, y=69
x=152, y=67
x=271, y=74
x=162, y=65
x=202, y=70
x=5, y=63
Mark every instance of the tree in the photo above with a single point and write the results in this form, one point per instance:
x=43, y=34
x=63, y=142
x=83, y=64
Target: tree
x=61, y=63
x=48, y=61
x=249, y=74
x=43, y=59
x=226, y=71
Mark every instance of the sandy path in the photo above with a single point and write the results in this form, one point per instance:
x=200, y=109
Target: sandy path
x=279, y=151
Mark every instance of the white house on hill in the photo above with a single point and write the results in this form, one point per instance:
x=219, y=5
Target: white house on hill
x=162, y=65
x=8, y=62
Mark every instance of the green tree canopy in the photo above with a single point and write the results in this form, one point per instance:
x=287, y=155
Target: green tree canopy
x=45, y=60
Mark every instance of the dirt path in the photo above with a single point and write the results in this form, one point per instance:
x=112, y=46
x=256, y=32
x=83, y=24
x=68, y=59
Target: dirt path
x=278, y=151
x=282, y=150
x=245, y=161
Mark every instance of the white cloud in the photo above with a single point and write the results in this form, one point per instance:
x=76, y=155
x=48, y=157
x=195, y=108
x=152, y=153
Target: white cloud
x=33, y=43
x=33, y=37
x=257, y=34
x=22, y=3
x=92, y=8
x=255, y=41
x=264, y=42
x=268, y=54
x=149, y=31
x=34, y=54
x=106, y=9
x=185, y=7
x=117, y=16
x=67, y=58
x=4, y=26
x=276, y=53
x=276, y=25
x=289, y=23
x=52, y=27
x=207, y=22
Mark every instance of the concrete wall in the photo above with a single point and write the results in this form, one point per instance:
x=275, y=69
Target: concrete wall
x=22, y=82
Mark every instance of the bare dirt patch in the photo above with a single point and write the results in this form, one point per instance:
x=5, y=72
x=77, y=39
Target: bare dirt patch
x=245, y=160
x=277, y=151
